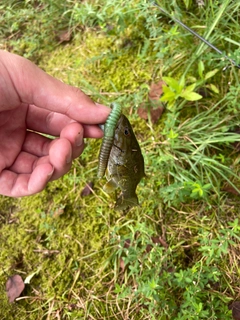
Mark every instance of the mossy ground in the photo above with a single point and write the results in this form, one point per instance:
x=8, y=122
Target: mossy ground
x=57, y=234
x=89, y=261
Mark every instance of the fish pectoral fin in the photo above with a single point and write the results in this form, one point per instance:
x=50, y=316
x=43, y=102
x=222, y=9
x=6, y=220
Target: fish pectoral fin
x=110, y=186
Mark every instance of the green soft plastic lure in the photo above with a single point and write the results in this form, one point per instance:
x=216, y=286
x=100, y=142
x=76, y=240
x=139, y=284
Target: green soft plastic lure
x=123, y=159
x=109, y=132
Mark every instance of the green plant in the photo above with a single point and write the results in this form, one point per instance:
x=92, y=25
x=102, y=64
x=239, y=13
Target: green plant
x=150, y=278
x=176, y=90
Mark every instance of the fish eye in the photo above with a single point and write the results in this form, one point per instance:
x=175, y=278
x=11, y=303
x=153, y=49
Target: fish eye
x=126, y=132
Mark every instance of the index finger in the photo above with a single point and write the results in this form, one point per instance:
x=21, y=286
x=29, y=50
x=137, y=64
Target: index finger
x=33, y=86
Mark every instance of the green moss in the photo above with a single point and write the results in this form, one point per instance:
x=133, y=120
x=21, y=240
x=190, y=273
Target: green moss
x=98, y=61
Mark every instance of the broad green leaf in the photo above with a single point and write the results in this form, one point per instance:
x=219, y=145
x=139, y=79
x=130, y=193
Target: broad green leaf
x=168, y=95
x=169, y=80
x=191, y=96
x=166, y=89
x=190, y=88
x=213, y=88
x=171, y=105
x=207, y=186
x=210, y=74
x=173, y=83
x=182, y=83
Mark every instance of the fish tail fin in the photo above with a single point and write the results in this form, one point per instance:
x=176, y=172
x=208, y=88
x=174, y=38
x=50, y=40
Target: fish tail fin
x=123, y=203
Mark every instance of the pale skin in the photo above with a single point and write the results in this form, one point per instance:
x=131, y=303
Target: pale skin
x=33, y=102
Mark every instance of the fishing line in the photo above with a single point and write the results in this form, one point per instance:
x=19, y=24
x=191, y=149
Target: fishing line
x=197, y=35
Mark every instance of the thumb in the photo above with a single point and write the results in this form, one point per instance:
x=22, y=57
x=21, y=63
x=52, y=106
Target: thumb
x=33, y=86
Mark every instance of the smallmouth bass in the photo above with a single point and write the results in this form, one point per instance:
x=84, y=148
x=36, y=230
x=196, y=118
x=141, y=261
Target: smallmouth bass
x=125, y=166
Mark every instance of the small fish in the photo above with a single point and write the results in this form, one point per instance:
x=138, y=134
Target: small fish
x=125, y=166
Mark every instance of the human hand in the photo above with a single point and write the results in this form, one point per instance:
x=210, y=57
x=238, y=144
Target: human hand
x=32, y=102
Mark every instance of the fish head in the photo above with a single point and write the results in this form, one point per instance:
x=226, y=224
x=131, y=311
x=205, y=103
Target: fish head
x=125, y=147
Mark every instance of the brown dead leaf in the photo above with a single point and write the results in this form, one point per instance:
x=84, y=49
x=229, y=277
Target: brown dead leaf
x=127, y=243
x=64, y=36
x=156, y=240
x=235, y=307
x=159, y=240
x=228, y=188
x=87, y=190
x=171, y=269
x=149, y=248
x=154, y=106
x=14, y=287
x=142, y=112
x=121, y=264
x=156, y=90
x=154, y=113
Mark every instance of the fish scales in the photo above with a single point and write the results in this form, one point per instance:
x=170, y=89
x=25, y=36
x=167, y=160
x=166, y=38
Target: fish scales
x=125, y=166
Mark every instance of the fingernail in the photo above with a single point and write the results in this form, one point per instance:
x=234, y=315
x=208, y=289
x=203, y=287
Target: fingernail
x=69, y=159
x=79, y=139
x=50, y=174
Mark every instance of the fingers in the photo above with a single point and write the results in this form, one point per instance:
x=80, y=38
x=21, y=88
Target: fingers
x=36, y=144
x=92, y=131
x=59, y=156
x=52, y=123
x=19, y=185
x=33, y=86
x=74, y=134
x=30, y=174
x=39, y=145
x=41, y=161
x=46, y=121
